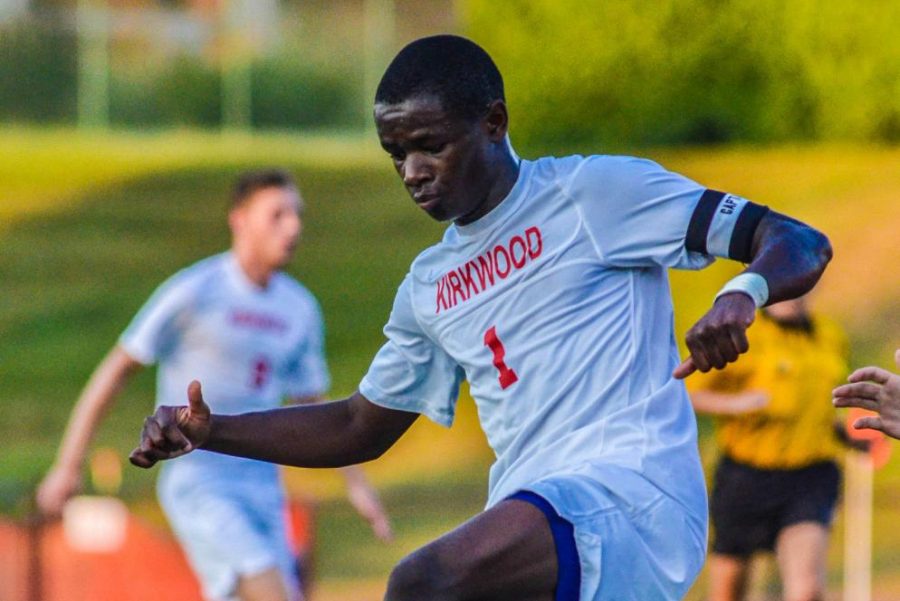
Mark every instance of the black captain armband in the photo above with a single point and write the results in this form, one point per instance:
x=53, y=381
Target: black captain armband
x=723, y=225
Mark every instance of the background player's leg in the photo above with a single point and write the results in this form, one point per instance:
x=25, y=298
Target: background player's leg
x=505, y=553
x=802, y=550
x=265, y=586
x=727, y=577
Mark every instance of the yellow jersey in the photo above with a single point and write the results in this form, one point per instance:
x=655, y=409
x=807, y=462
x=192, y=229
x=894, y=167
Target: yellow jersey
x=798, y=368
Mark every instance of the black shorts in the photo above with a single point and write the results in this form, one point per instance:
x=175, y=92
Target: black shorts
x=750, y=506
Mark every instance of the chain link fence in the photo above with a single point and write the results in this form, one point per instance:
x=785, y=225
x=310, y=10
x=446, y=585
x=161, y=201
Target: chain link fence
x=237, y=64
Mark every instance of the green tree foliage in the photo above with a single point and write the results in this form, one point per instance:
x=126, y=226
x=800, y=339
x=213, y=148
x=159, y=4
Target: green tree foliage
x=37, y=68
x=626, y=72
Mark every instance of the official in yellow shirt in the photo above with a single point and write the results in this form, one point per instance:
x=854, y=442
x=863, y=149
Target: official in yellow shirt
x=776, y=485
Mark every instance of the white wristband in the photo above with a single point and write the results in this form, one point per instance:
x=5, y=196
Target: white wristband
x=751, y=284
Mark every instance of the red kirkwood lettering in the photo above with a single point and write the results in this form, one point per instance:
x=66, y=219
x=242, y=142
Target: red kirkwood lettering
x=460, y=284
x=520, y=262
x=535, y=244
x=258, y=321
x=507, y=264
x=485, y=269
x=466, y=277
x=441, y=300
x=456, y=287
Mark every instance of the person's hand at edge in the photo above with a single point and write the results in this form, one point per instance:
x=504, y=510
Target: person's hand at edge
x=877, y=390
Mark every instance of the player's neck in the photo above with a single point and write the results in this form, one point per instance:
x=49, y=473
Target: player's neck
x=507, y=172
x=258, y=273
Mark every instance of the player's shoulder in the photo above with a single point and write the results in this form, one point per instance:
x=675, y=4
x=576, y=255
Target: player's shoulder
x=210, y=266
x=292, y=291
x=186, y=287
x=576, y=162
x=609, y=172
x=196, y=276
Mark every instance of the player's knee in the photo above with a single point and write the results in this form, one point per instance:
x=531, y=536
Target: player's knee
x=812, y=596
x=810, y=590
x=422, y=575
x=265, y=586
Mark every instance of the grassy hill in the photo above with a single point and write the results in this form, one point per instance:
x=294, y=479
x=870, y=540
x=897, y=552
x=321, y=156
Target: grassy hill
x=90, y=225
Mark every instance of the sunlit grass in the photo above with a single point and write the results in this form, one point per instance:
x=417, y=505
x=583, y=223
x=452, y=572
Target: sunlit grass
x=47, y=169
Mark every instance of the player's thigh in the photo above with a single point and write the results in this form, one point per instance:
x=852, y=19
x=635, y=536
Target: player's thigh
x=802, y=552
x=506, y=553
x=267, y=585
x=227, y=537
x=802, y=543
x=727, y=577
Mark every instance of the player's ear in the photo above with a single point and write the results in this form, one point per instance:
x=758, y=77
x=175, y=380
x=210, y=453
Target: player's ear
x=496, y=121
x=235, y=219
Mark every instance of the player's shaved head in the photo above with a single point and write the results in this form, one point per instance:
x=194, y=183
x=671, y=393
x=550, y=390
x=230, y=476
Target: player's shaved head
x=457, y=71
x=251, y=182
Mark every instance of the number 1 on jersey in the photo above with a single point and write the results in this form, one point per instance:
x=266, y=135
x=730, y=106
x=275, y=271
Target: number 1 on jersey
x=508, y=377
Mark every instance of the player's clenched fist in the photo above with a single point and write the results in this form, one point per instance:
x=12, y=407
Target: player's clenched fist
x=173, y=431
x=720, y=335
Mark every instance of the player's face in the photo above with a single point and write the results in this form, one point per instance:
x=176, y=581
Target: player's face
x=446, y=162
x=268, y=225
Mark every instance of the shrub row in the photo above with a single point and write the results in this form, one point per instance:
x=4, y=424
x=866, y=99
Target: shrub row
x=624, y=72
x=39, y=75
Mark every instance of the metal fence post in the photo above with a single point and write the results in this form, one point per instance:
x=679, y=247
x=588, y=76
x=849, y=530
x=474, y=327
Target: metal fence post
x=379, y=24
x=92, y=22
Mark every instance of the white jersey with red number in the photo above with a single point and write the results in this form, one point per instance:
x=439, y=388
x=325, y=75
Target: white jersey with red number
x=250, y=347
x=556, y=308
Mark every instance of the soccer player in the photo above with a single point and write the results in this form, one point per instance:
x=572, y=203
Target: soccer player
x=778, y=479
x=875, y=389
x=549, y=294
x=255, y=335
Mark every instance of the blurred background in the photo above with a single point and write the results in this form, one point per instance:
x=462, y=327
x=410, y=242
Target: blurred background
x=124, y=122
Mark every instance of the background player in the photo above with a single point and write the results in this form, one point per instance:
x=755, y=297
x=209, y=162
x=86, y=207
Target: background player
x=875, y=389
x=549, y=294
x=778, y=480
x=256, y=335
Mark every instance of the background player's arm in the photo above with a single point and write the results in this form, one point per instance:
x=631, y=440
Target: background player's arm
x=365, y=500
x=335, y=434
x=360, y=492
x=98, y=396
x=728, y=403
x=791, y=256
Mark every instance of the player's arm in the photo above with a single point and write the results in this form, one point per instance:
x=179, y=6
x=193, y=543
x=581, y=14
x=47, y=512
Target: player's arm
x=98, y=396
x=728, y=403
x=360, y=492
x=334, y=434
x=787, y=255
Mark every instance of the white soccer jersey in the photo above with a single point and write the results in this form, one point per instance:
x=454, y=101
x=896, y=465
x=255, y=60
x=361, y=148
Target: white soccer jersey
x=249, y=347
x=556, y=308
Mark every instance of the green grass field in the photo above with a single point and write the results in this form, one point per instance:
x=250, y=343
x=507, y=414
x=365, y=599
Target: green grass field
x=90, y=225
